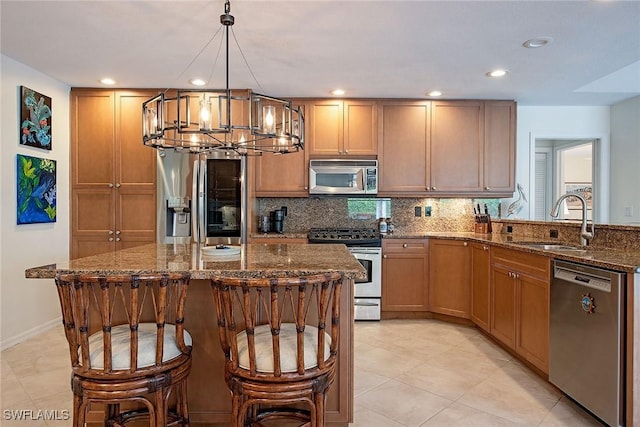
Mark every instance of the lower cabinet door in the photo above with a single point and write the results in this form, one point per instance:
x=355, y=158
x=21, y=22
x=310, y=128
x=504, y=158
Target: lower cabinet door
x=503, y=297
x=532, y=307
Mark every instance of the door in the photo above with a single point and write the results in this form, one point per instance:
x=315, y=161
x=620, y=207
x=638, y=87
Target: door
x=480, y=285
x=449, y=291
x=457, y=135
x=404, y=155
x=503, y=298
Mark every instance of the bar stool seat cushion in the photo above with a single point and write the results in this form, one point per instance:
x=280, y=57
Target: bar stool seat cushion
x=120, y=346
x=288, y=348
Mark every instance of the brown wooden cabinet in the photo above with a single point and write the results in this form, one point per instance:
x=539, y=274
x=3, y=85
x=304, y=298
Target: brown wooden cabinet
x=457, y=134
x=446, y=148
x=499, y=146
x=342, y=128
x=403, y=155
x=520, y=303
x=480, y=284
x=113, y=175
x=404, y=275
x=285, y=175
x=449, y=285
x=282, y=175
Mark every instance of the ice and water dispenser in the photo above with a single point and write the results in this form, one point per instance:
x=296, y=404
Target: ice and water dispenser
x=178, y=217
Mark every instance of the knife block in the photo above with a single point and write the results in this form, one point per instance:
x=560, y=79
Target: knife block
x=482, y=228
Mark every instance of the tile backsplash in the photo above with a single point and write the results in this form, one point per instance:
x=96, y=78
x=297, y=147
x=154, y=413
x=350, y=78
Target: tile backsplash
x=321, y=212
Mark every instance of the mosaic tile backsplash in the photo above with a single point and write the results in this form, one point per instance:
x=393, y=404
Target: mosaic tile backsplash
x=446, y=214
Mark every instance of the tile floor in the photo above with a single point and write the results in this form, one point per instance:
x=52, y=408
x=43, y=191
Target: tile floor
x=407, y=373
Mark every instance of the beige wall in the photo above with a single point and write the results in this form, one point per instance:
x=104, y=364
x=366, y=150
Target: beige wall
x=29, y=306
x=625, y=161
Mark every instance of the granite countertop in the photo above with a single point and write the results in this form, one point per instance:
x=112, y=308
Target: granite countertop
x=254, y=260
x=622, y=260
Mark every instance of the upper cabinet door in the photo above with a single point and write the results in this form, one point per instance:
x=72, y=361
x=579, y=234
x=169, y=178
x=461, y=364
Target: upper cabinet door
x=136, y=163
x=342, y=128
x=499, y=146
x=326, y=128
x=457, y=134
x=92, y=135
x=360, y=128
x=403, y=154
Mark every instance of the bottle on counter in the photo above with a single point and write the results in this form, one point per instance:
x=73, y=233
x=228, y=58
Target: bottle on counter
x=382, y=226
x=390, y=226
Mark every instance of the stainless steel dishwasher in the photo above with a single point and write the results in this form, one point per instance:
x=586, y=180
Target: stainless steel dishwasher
x=586, y=359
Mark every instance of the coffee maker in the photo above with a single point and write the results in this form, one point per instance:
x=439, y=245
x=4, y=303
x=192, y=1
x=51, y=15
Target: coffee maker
x=277, y=219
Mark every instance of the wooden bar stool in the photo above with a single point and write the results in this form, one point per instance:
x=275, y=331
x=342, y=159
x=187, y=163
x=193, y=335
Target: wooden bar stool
x=128, y=345
x=280, y=340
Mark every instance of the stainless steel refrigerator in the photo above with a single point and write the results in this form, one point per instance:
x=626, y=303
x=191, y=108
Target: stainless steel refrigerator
x=201, y=198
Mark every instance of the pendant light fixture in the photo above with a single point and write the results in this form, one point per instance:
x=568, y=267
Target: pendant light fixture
x=206, y=120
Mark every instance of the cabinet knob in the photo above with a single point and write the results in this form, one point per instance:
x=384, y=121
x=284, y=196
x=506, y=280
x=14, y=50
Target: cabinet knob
x=485, y=248
x=118, y=232
x=433, y=188
x=404, y=245
x=110, y=232
x=111, y=239
x=306, y=188
x=487, y=188
x=465, y=244
x=118, y=185
x=510, y=274
x=384, y=256
x=117, y=239
x=110, y=185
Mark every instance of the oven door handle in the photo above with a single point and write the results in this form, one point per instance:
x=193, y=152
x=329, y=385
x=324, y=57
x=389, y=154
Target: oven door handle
x=365, y=304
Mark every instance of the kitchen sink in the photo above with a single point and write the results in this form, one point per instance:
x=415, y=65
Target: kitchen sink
x=551, y=246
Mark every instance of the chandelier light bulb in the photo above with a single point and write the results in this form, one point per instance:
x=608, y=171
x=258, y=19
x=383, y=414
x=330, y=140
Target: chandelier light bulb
x=268, y=113
x=205, y=114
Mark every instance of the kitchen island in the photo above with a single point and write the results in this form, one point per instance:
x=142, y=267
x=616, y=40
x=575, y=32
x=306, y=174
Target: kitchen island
x=209, y=398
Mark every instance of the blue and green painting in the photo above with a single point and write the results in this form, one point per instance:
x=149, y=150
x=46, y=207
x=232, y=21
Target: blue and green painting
x=35, y=119
x=36, y=190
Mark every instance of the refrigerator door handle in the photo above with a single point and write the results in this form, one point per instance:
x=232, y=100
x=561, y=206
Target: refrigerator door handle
x=202, y=200
x=195, y=220
x=199, y=198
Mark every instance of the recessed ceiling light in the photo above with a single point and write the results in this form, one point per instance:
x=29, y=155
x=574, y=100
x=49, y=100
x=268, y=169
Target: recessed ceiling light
x=497, y=73
x=107, y=81
x=197, y=82
x=337, y=92
x=434, y=93
x=537, y=42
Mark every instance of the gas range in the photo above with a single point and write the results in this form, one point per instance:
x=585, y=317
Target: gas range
x=363, y=237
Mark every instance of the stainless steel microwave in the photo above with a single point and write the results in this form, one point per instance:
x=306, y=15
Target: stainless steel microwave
x=341, y=176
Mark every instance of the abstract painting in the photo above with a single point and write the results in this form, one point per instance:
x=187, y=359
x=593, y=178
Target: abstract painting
x=36, y=190
x=35, y=119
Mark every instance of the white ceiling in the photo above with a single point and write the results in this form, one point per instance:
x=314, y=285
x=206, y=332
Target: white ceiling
x=372, y=49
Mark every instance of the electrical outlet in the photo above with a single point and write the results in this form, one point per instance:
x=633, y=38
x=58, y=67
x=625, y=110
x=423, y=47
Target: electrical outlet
x=553, y=233
x=418, y=211
x=628, y=211
x=509, y=229
x=427, y=211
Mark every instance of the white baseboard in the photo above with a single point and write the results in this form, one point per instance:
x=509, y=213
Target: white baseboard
x=8, y=343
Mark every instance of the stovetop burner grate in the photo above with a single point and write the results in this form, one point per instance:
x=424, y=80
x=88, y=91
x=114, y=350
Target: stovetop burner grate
x=347, y=236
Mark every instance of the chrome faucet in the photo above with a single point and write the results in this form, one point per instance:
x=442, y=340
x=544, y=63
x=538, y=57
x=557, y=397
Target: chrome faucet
x=585, y=235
